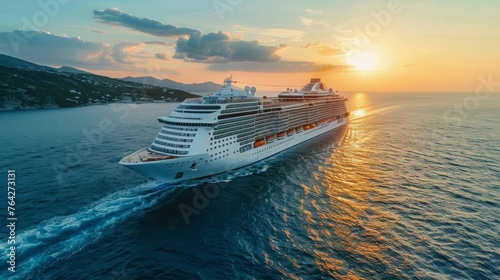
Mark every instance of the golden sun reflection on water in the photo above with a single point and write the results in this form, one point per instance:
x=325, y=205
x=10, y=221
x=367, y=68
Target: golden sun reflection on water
x=342, y=207
x=349, y=224
x=358, y=104
x=358, y=113
x=358, y=101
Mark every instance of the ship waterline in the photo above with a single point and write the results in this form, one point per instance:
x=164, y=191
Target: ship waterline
x=231, y=128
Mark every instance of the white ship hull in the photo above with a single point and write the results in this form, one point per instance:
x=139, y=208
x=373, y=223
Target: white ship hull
x=167, y=170
x=231, y=128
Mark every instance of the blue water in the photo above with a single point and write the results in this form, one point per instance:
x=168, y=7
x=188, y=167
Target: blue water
x=405, y=191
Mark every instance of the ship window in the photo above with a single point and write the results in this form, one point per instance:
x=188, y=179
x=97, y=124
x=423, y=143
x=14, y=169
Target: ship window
x=179, y=175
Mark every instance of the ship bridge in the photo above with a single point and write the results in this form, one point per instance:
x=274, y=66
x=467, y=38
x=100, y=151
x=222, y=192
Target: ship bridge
x=227, y=92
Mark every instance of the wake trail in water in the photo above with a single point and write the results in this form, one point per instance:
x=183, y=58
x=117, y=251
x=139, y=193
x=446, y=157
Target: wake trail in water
x=60, y=237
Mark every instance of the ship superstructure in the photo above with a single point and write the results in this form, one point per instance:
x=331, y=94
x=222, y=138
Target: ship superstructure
x=232, y=128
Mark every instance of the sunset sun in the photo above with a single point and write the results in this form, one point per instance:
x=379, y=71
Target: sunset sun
x=363, y=61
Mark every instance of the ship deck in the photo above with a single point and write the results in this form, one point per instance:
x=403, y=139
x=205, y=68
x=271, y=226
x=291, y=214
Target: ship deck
x=145, y=155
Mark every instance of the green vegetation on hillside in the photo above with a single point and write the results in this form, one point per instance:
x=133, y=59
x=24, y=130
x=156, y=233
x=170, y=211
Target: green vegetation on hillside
x=27, y=89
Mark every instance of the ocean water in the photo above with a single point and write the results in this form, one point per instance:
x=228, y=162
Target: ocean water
x=409, y=189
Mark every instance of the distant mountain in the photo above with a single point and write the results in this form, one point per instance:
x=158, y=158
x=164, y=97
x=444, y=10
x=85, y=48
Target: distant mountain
x=68, y=69
x=12, y=62
x=196, y=87
x=25, y=85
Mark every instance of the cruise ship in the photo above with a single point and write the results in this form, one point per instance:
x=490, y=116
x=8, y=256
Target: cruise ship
x=232, y=128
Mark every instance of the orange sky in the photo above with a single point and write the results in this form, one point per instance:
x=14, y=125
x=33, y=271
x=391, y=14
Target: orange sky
x=395, y=45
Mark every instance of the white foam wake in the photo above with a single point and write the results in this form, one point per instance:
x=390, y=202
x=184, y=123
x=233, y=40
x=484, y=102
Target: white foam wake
x=62, y=236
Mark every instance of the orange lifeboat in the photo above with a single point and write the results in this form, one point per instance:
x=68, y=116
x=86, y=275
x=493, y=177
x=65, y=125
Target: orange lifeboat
x=313, y=125
x=306, y=127
x=270, y=138
x=299, y=129
x=259, y=143
x=281, y=135
x=290, y=132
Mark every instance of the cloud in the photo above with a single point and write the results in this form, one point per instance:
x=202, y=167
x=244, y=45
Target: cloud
x=161, y=56
x=98, y=31
x=324, y=49
x=279, y=67
x=55, y=50
x=145, y=25
x=310, y=22
x=314, y=12
x=50, y=49
x=272, y=34
x=306, y=21
x=221, y=48
x=155, y=43
x=123, y=52
x=192, y=45
x=91, y=30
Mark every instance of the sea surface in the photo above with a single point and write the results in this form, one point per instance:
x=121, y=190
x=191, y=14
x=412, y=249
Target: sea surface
x=409, y=189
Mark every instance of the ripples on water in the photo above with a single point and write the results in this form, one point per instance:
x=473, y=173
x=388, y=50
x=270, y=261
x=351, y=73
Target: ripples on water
x=398, y=193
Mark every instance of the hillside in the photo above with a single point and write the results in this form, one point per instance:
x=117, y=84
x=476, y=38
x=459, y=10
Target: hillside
x=68, y=69
x=24, y=85
x=196, y=87
x=12, y=62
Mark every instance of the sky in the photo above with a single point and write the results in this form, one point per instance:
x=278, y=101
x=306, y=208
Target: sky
x=390, y=45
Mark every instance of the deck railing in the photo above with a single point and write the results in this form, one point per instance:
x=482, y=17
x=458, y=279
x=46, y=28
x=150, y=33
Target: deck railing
x=220, y=101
